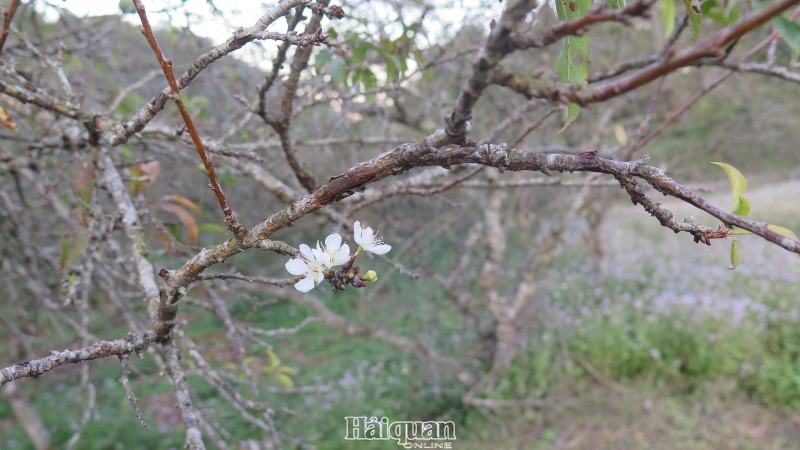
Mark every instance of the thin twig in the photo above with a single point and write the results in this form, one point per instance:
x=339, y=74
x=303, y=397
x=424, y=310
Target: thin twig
x=282, y=124
x=87, y=414
x=131, y=87
x=231, y=218
x=126, y=384
x=634, y=147
x=7, y=16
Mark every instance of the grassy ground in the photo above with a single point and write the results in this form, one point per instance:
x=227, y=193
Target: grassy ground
x=639, y=416
x=691, y=355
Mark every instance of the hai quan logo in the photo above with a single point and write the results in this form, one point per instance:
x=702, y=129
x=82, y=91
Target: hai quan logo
x=430, y=434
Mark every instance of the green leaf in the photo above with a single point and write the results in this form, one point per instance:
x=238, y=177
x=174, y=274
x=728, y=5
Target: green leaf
x=338, y=71
x=616, y=4
x=738, y=185
x=73, y=246
x=174, y=231
x=356, y=78
x=734, y=256
x=287, y=369
x=693, y=7
x=430, y=75
x=274, y=361
x=732, y=4
x=572, y=64
x=742, y=208
x=717, y=13
x=784, y=231
x=776, y=228
x=322, y=57
x=84, y=179
x=194, y=105
x=126, y=152
x=391, y=70
x=668, y=17
x=360, y=53
x=790, y=31
x=284, y=380
x=227, y=178
x=369, y=79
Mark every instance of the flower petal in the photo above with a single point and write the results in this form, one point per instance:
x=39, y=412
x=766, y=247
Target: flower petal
x=342, y=255
x=381, y=249
x=358, y=234
x=305, y=285
x=333, y=242
x=319, y=255
x=306, y=251
x=296, y=266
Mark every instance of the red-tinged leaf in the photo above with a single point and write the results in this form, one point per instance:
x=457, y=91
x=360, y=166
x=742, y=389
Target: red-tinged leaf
x=182, y=201
x=185, y=218
x=151, y=170
x=80, y=214
x=166, y=240
x=6, y=120
x=73, y=246
x=85, y=178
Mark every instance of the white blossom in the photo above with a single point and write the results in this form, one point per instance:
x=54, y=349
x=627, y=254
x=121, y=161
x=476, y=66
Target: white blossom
x=368, y=241
x=306, y=264
x=333, y=253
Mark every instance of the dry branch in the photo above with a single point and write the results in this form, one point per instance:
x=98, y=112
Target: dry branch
x=123, y=131
x=194, y=437
x=231, y=218
x=133, y=230
x=7, y=16
x=35, y=368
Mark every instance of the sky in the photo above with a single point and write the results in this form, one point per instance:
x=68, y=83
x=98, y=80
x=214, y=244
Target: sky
x=219, y=26
x=243, y=13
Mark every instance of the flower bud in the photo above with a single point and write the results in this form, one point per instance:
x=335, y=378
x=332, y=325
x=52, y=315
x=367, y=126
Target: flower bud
x=370, y=276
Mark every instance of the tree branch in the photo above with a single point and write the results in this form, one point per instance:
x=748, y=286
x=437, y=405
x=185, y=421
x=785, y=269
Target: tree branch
x=7, y=16
x=194, y=438
x=239, y=38
x=131, y=343
x=497, y=46
x=132, y=227
x=231, y=218
x=711, y=47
